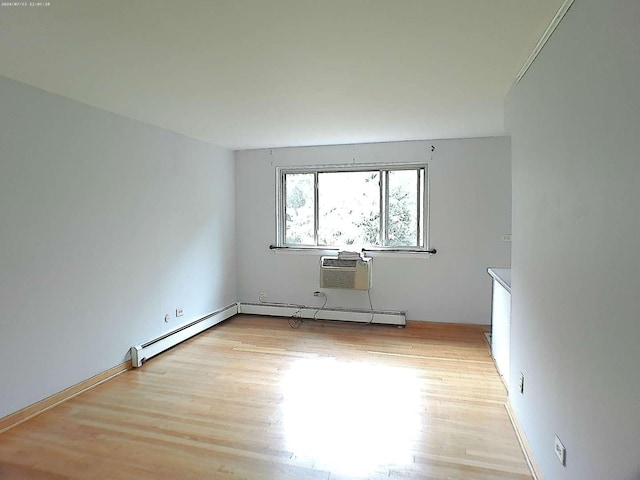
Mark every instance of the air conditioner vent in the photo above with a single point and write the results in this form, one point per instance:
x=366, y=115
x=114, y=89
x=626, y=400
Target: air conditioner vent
x=339, y=262
x=347, y=273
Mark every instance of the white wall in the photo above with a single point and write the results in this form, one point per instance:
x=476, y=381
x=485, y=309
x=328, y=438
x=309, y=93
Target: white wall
x=106, y=224
x=575, y=126
x=470, y=209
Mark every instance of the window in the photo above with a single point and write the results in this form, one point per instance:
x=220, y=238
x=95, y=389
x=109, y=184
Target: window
x=373, y=207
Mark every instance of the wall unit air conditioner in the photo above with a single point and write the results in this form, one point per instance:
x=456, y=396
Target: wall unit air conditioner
x=347, y=272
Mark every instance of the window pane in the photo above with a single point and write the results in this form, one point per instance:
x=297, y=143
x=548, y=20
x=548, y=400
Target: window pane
x=402, y=223
x=422, y=218
x=299, y=209
x=349, y=208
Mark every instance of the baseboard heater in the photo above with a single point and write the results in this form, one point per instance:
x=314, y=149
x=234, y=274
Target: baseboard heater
x=385, y=317
x=143, y=352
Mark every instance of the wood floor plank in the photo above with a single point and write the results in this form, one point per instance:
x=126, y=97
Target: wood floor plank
x=253, y=398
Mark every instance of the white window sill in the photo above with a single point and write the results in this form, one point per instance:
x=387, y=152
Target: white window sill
x=370, y=253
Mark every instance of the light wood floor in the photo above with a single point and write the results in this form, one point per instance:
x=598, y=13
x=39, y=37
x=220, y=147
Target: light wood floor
x=253, y=398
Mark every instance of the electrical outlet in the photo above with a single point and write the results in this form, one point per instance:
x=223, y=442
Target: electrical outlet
x=521, y=383
x=319, y=294
x=179, y=312
x=167, y=317
x=506, y=237
x=561, y=452
x=262, y=296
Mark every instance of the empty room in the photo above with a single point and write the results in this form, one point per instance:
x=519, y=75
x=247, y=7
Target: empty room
x=337, y=239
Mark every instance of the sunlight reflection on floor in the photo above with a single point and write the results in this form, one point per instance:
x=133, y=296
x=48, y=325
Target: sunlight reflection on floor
x=351, y=417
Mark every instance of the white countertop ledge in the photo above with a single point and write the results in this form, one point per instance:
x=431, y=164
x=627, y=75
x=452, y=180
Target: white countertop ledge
x=502, y=276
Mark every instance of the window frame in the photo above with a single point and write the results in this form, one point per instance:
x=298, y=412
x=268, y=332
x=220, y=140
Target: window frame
x=423, y=220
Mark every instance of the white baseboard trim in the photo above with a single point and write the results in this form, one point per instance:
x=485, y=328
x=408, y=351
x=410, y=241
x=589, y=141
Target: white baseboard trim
x=384, y=317
x=524, y=444
x=143, y=352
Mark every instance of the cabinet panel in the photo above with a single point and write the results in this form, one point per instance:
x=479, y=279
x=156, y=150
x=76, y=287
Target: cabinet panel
x=501, y=329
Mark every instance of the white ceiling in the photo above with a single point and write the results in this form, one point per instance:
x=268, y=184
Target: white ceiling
x=269, y=73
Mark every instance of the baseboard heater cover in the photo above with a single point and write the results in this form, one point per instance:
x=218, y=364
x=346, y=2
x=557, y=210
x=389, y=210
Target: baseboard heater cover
x=143, y=352
x=385, y=317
